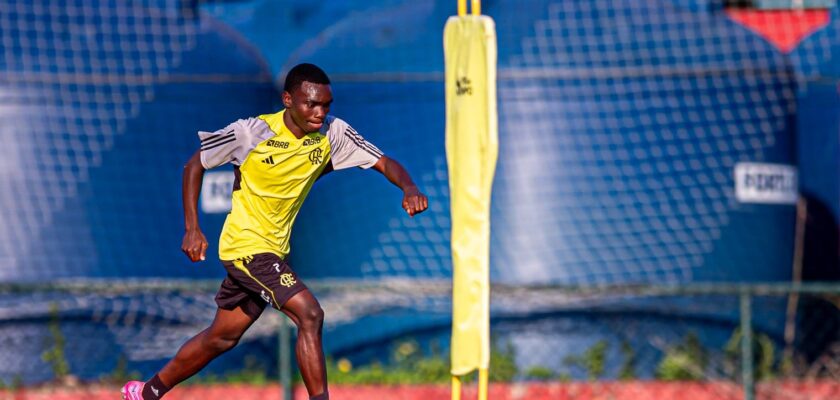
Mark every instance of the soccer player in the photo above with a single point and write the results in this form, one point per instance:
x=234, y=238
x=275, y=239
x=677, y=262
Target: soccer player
x=277, y=158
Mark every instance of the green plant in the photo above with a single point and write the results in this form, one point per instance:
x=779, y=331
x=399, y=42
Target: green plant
x=685, y=361
x=628, y=362
x=433, y=369
x=593, y=360
x=502, y=363
x=539, y=373
x=764, y=355
x=54, y=355
x=408, y=365
x=253, y=372
x=17, y=383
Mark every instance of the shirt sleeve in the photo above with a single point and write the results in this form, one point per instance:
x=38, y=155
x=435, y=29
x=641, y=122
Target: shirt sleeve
x=349, y=148
x=230, y=144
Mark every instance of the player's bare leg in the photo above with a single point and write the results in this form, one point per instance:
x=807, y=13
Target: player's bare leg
x=222, y=335
x=307, y=314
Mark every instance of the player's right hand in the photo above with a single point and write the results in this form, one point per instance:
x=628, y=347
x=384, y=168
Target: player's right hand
x=194, y=245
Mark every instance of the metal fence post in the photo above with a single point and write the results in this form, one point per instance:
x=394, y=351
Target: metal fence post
x=284, y=336
x=747, y=375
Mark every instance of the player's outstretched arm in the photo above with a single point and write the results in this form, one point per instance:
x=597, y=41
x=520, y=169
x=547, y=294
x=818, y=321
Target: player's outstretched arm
x=414, y=202
x=194, y=244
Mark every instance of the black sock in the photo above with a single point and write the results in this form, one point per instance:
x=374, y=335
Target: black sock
x=154, y=389
x=322, y=396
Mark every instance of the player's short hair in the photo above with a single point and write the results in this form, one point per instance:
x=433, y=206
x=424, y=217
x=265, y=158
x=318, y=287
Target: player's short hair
x=304, y=73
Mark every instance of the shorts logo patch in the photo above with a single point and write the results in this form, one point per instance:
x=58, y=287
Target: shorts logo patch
x=287, y=280
x=265, y=297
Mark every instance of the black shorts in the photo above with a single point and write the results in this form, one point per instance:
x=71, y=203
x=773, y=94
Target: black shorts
x=254, y=281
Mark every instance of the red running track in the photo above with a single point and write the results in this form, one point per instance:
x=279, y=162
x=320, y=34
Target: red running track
x=778, y=390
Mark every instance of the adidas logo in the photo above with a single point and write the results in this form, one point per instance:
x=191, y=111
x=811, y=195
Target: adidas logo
x=269, y=160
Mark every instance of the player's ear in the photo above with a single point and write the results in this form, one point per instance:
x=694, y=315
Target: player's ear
x=287, y=99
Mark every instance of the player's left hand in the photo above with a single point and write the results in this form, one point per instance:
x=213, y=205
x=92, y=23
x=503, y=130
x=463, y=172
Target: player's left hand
x=414, y=202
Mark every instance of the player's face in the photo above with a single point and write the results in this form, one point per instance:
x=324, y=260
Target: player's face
x=309, y=105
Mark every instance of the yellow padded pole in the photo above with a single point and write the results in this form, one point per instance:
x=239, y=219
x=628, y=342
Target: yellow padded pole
x=456, y=388
x=476, y=7
x=462, y=8
x=482, y=383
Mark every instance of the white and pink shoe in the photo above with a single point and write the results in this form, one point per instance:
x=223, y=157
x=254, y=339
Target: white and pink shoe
x=132, y=390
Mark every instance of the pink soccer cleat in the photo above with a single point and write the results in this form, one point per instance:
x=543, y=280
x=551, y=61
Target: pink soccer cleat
x=132, y=390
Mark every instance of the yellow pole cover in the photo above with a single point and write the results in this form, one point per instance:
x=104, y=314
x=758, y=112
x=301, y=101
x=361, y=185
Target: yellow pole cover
x=471, y=152
x=456, y=387
x=483, y=377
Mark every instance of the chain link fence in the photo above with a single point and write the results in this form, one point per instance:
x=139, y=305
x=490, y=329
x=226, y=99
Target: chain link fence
x=83, y=339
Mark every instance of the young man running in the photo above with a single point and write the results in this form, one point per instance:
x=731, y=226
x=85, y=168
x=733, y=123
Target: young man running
x=276, y=157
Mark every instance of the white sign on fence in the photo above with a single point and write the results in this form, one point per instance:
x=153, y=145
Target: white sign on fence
x=216, y=191
x=766, y=183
